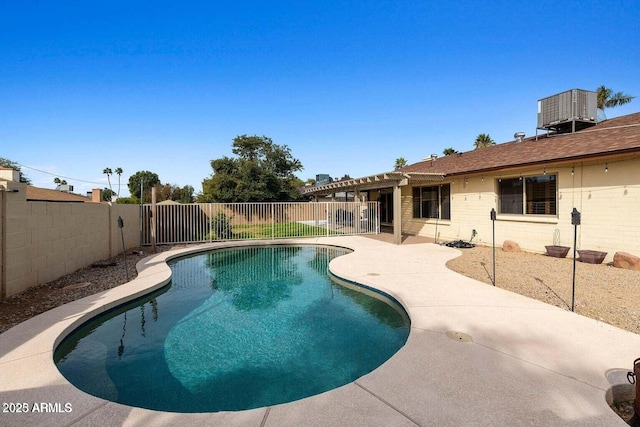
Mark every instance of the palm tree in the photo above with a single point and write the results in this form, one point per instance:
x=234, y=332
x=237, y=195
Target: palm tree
x=400, y=163
x=483, y=141
x=59, y=182
x=608, y=99
x=119, y=172
x=108, y=172
x=449, y=151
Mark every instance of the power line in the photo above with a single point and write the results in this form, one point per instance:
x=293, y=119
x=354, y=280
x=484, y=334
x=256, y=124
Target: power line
x=60, y=176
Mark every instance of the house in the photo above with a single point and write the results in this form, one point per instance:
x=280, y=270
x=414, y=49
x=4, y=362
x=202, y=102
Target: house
x=48, y=195
x=532, y=183
x=37, y=194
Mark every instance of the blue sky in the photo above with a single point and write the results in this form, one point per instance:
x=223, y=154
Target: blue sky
x=349, y=86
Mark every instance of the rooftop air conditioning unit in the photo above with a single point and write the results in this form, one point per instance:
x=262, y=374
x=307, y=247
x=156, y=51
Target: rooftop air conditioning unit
x=323, y=179
x=568, y=111
x=65, y=187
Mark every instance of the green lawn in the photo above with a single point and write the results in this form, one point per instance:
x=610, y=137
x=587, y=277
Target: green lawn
x=286, y=229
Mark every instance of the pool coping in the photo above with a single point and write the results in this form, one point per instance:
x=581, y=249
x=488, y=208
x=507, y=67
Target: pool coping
x=525, y=360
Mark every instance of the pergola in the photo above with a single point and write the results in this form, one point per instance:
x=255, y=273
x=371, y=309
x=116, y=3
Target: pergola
x=394, y=180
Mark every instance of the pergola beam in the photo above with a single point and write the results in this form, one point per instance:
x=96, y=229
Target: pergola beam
x=396, y=180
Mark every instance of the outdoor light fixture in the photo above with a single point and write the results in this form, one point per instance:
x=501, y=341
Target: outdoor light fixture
x=575, y=221
x=544, y=172
x=493, y=217
x=124, y=250
x=606, y=167
x=572, y=171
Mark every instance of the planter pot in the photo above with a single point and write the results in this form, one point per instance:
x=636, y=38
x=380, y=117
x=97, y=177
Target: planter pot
x=592, y=257
x=557, y=251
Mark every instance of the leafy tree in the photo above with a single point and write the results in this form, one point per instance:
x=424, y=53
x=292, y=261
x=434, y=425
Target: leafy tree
x=261, y=172
x=163, y=192
x=449, y=151
x=148, y=179
x=11, y=164
x=345, y=177
x=310, y=181
x=183, y=195
x=483, y=141
x=607, y=99
x=297, y=182
x=400, y=163
x=175, y=193
x=128, y=201
x=107, y=194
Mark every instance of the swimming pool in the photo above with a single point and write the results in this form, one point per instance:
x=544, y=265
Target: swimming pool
x=235, y=329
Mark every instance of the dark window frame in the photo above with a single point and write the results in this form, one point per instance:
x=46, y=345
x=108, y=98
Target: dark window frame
x=432, y=202
x=533, y=195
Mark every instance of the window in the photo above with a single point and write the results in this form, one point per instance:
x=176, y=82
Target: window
x=432, y=202
x=534, y=195
x=510, y=196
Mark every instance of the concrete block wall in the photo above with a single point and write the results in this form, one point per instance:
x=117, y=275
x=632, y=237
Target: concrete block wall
x=63, y=237
x=41, y=241
x=13, y=237
x=130, y=215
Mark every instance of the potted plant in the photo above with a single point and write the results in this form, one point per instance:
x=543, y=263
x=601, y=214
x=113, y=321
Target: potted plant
x=556, y=250
x=591, y=257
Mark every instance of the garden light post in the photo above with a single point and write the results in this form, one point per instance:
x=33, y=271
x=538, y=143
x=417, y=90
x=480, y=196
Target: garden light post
x=575, y=220
x=124, y=251
x=141, y=210
x=493, y=222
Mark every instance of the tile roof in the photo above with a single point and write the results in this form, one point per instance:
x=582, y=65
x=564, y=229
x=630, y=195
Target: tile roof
x=614, y=136
x=47, y=195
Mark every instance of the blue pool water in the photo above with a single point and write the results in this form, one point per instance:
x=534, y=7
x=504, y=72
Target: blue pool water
x=235, y=329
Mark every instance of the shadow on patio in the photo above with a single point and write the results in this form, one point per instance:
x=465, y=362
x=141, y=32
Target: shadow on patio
x=386, y=235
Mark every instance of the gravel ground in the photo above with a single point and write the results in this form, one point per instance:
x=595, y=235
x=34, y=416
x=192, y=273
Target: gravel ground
x=98, y=277
x=602, y=292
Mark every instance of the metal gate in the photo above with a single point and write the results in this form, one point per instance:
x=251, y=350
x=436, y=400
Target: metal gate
x=207, y=222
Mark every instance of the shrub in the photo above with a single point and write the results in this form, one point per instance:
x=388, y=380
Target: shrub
x=221, y=226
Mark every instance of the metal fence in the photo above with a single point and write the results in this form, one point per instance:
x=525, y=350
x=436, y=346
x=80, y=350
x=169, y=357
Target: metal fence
x=208, y=222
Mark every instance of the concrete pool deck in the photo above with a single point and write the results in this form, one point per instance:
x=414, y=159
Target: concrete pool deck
x=476, y=355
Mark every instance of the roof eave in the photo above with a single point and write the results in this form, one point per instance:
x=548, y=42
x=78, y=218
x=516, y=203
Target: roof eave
x=371, y=182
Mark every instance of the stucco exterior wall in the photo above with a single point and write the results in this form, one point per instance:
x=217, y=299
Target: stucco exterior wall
x=609, y=203
x=42, y=241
